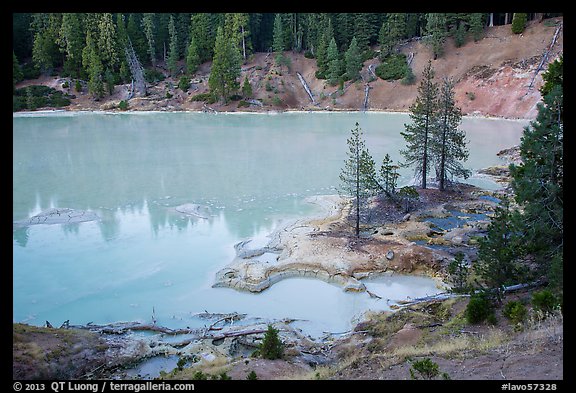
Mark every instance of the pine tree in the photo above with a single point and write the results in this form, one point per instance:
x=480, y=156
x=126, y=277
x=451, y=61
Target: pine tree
x=448, y=145
x=92, y=63
x=192, y=58
x=358, y=174
x=271, y=346
x=278, y=38
x=419, y=133
x=519, y=22
x=17, y=73
x=200, y=31
x=107, y=42
x=362, y=30
x=538, y=182
x=149, y=32
x=333, y=58
x=137, y=37
x=246, y=88
x=498, y=252
x=173, y=53
x=476, y=25
x=353, y=61
x=225, y=67
x=45, y=51
x=71, y=41
x=388, y=176
x=393, y=30
x=436, y=28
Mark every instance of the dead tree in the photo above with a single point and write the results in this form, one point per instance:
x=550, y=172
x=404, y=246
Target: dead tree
x=137, y=71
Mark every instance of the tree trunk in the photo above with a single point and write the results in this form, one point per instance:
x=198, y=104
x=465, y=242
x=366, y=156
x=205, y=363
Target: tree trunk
x=357, y=193
x=491, y=23
x=506, y=18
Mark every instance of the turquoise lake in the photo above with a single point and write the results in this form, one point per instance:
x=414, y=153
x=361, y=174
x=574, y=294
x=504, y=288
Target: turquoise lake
x=252, y=172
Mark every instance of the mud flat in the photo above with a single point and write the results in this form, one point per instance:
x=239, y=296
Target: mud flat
x=325, y=248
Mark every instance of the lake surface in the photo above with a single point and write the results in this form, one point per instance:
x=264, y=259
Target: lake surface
x=250, y=172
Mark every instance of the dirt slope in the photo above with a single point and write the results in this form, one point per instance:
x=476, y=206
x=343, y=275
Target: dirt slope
x=492, y=78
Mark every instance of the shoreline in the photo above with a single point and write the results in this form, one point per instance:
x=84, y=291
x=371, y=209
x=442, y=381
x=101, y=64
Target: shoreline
x=42, y=112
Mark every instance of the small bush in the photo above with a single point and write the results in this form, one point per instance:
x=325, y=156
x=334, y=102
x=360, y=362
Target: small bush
x=409, y=78
x=199, y=376
x=471, y=96
x=515, y=311
x=184, y=83
x=252, y=376
x=426, y=369
x=153, y=76
x=480, y=309
x=123, y=105
x=271, y=346
x=65, y=85
x=268, y=86
x=276, y=101
x=544, y=301
x=308, y=54
x=206, y=97
x=243, y=104
x=78, y=86
x=393, y=67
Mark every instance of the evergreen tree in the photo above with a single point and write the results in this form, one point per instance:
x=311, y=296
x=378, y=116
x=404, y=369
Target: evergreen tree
x=538, y=181
x=448, y=145
x=278, y=40
x=271, y=346
x=45, y=51
x=459, y=273
x=362, y=30
x=388, y=176
x=107, y=42
x=137, y=37
x=357, y=175
x=353, y=61
x=519, y=22
x=71, y=41
x=436, y=29
x=149, y=31
x=498, y=252
x=200, y=31
x=173, y=53
x=92, y=63
x=122, y=45
x=192, y=58
x=476, y=25
x=333, y=58
x=246, y=88
x=225, y=67
x=419, y=133
x=17, y=74
x=393, y=30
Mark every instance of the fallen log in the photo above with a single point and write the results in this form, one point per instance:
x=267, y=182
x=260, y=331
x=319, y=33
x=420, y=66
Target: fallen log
x=305, y=85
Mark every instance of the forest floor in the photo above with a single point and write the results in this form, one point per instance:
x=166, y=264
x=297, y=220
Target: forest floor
x=493, y=78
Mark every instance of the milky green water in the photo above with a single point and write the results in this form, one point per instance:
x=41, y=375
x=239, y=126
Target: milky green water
x=253, y=171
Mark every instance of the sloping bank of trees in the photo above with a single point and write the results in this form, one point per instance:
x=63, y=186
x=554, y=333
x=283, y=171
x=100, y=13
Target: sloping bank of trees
x=91, y=47
x=525, y=238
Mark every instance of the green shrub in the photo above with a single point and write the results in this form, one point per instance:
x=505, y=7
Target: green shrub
x=544, y=301
x=65, y=85
x=199, y=375
x=393, y=67
x=184, y=83
x=271, y=346
x=426, y=369
x=268, y=86
x=30, y=71
x=78, y=86
x=308, y=54
x=515, y=311
x=123, y=105
x=471, y=96
x=480, y=309
x=153, y=75
x=409, y=78
x=252, y=376
x=243, y=104
x=206, y=97
x=276, y=101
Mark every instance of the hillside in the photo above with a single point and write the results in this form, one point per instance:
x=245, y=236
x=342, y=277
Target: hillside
x=493, y=77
